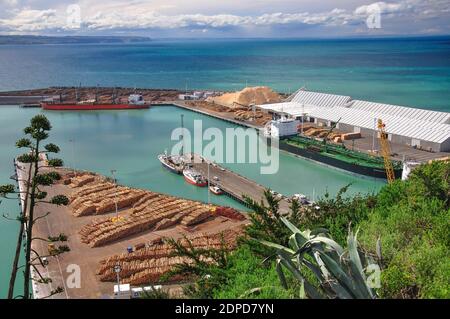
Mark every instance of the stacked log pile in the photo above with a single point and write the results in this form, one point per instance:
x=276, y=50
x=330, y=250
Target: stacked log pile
x=229, y=212
x=334, y=136
x=239, y=113
x=81, y=180
x=150, y=211
x=102, y=198
x=148, y=265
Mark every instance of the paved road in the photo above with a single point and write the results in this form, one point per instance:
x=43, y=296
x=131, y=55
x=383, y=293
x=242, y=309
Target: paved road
x=234, y=183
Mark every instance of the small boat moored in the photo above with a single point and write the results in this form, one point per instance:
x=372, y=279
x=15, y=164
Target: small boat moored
x=193, y=177
x=215, y=190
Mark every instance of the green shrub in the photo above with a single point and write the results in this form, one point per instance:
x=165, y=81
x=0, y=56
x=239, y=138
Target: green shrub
x=415, y=234
x=249, y=278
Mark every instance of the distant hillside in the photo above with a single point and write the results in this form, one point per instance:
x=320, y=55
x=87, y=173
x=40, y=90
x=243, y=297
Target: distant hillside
x=32, y=39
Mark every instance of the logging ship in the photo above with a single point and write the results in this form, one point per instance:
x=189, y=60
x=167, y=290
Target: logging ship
x=338, y=156
x=332, y=154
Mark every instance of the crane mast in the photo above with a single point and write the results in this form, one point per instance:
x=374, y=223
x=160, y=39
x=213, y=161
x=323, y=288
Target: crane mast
x=386, y=152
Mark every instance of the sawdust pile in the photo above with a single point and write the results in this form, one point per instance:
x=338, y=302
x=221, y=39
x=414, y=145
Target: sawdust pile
x=251, y=95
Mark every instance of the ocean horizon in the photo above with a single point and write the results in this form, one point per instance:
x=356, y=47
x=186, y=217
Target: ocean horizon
x=410, y=71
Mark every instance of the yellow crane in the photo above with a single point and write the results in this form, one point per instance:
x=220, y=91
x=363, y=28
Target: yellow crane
x=386, y=152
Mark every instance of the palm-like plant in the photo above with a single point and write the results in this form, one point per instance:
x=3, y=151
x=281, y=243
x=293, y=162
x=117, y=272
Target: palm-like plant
x=341, y=273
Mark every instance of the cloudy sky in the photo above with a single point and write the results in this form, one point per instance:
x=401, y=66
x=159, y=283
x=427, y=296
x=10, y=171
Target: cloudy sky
x=227, y=18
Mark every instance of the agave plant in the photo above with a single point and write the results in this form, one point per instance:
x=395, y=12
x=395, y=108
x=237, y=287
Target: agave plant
x=341, y=273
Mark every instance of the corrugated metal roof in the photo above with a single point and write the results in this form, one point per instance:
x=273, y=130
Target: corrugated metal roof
x=421, y=124
x=320, y=99
x=398, y=125
x=290, y=108
x=402, y=111
x=413, y=128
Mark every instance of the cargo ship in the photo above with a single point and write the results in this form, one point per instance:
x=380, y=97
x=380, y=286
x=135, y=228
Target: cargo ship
x=338, y=156
x=193, y=177
x=319, y=150
x=135, y=101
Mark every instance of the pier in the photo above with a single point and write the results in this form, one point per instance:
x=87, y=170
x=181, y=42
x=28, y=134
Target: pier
x=220, y=116
x=234, y=185
x=23, y=100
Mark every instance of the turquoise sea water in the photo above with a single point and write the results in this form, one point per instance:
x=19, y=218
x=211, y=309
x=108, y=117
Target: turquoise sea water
x=129, y=141
x=412, y=71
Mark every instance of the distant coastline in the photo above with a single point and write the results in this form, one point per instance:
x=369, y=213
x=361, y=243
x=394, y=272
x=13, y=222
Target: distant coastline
x=35, y=39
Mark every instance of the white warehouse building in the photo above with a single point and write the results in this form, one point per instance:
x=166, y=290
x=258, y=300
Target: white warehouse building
x=425, y=129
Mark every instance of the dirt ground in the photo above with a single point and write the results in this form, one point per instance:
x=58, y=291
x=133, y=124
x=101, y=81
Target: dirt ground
x=86, y=259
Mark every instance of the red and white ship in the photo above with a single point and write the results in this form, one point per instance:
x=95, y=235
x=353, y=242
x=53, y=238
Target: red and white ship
x=135, y=101
x=193, y=177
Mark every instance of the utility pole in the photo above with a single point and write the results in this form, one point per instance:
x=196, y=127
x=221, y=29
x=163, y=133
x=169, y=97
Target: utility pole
x=72, y=141
x=117, y=270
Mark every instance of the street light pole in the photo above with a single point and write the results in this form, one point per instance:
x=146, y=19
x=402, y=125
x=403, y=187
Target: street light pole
x=113, y=171
x=73, y=155
x=117, y=270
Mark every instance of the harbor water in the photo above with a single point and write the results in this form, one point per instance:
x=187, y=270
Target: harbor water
x=129, y=142
x=409, y=71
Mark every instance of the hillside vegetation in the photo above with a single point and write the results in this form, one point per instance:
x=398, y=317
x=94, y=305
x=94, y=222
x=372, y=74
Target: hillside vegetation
x=408, y=222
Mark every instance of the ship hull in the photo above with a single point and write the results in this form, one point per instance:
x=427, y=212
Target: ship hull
x=193, y=181
x=354, y=168
x=169, y=167
x=89, y=107
x=216, y=192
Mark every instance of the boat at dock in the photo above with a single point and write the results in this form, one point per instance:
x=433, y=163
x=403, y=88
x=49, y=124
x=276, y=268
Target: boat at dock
x=215, y=190
x=195, y=178
x=135, y=101
x=338, y=156
x=173, y=163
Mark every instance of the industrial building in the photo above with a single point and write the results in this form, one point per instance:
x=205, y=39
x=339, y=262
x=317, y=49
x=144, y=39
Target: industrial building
x=418, y=128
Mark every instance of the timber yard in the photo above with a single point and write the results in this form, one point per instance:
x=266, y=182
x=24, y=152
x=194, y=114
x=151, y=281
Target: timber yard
x=113, y=228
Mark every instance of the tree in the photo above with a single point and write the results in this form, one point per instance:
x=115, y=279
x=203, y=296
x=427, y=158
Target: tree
x=36, y=133
x=207, y=266
x=265, y=224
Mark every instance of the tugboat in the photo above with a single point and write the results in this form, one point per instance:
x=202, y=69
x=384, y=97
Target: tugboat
x=193, y=177
x=173, y=163
x=215, y=190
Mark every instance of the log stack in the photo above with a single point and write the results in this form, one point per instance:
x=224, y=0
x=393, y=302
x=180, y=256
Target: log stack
x=148, y=265
x=149, y=211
